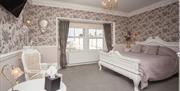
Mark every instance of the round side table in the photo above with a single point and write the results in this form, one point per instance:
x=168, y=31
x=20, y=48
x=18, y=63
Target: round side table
x=35, y=85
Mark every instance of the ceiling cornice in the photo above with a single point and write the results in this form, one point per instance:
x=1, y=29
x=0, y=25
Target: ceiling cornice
x=60, y=4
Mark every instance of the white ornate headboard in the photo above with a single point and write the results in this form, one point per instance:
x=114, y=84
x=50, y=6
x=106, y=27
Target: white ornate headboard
x=160, y=42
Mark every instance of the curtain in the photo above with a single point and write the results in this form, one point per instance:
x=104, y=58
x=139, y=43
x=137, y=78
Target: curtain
x=63, y=35
x=107, y=34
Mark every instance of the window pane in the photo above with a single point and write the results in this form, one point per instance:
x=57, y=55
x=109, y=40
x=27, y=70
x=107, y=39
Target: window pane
x=77, y=36
x=78, y=43
x=81, y=44
x=99, y=43
x=92, y=32
x=99, y=33
x=71, y=32
x=79, y=32
x=92, y=43
x=70, y=43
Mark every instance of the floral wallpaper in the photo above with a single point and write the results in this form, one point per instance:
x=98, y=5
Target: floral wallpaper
x=162, y=22
x=36, y=13
x=13, y=33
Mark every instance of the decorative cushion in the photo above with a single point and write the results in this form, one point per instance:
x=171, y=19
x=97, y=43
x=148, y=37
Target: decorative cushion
x=136, y=48
x=119, y=48
x=143, y=48
x=152, y=50
x=165, y=51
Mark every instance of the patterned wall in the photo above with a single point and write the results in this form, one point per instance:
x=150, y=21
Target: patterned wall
x=36, y=13
x=13, y=33
x=162, y=22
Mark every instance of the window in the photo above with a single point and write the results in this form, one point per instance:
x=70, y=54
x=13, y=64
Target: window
x=95, y=38
x=75, y=38
x=85, y=37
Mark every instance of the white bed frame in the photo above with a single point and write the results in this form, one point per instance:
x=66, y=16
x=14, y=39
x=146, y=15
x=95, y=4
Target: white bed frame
x=129, y=66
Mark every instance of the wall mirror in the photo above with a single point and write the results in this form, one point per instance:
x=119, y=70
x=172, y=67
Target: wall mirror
x=43, y=23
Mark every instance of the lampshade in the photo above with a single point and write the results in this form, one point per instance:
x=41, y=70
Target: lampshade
x=16, y=72
x=28, y=22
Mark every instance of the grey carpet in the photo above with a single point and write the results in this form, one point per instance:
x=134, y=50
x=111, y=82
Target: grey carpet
x=89, y=78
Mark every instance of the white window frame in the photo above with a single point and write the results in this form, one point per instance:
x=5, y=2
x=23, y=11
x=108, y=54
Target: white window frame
x=89, y=37
x=77, y=37
x=86, y=21
x=86, y=38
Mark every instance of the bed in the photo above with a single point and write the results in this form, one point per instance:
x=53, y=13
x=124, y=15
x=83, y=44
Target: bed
x=143, y=67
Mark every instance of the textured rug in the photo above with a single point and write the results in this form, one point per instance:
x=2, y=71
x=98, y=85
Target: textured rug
x=89, y=78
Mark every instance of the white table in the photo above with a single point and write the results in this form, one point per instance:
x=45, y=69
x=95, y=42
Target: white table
x=35, y=85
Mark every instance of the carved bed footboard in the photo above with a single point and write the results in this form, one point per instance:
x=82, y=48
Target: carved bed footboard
x=123, y=65
x=129, y=67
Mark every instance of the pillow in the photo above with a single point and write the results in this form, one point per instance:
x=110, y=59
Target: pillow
x=119, y=48
x=136, y=48
x=152, y=50
x=165, y=51
x=143, y=48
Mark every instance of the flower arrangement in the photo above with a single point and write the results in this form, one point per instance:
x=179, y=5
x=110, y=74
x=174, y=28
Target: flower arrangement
x=130, y=38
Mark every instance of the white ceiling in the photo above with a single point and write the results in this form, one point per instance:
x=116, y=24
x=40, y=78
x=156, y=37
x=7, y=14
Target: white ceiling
x=123, y=5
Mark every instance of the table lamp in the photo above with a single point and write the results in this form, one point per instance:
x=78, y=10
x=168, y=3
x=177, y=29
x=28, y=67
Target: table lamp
x=16, y=72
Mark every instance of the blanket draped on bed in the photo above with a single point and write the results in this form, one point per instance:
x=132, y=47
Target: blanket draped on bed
x=154, y=67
